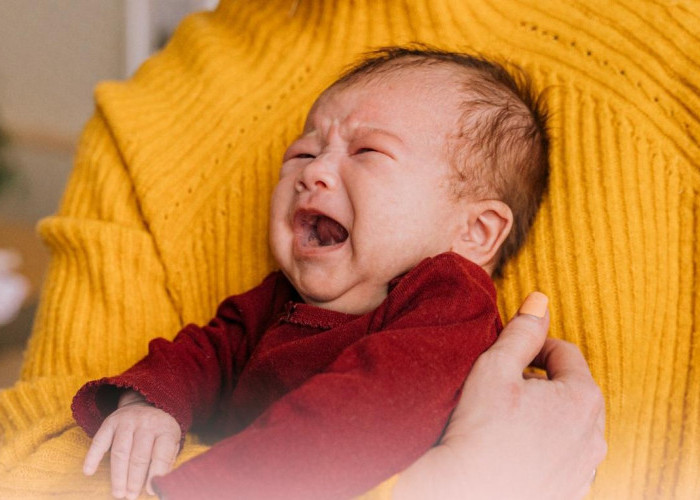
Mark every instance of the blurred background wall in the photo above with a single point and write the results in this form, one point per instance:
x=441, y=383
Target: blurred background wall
x=52, y=53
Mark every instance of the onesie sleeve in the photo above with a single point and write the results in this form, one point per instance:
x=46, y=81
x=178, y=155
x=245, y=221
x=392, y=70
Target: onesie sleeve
x=373, y=411
x=188, y=376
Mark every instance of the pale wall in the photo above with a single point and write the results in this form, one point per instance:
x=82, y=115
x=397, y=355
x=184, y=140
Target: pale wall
x=52, y=53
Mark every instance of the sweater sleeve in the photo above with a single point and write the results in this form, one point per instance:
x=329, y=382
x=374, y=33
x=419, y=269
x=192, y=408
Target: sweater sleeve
x=372, y=412
x=107, y=293
x=105, y=296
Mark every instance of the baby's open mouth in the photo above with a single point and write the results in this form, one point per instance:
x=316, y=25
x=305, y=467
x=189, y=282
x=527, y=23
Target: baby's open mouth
x=320, y=230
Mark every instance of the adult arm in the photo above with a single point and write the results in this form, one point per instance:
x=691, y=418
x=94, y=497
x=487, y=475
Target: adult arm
x=513, y=436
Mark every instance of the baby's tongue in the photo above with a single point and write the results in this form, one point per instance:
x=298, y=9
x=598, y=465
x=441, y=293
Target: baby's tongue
x=329, y=231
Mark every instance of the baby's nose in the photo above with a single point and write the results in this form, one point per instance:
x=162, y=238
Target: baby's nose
x=318, y=174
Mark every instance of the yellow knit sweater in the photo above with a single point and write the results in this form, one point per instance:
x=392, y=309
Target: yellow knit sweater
x=166, y=210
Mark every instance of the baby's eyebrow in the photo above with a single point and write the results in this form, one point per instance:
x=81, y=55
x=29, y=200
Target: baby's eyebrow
x=368, y=130
x=305, y=134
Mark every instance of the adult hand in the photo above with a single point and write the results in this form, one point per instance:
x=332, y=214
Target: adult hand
x=514, y=435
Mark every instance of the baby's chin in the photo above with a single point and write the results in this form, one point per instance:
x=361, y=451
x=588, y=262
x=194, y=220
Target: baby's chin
x=351, y=302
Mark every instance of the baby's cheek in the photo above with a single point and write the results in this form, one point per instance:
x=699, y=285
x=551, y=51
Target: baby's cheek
x=280, y=203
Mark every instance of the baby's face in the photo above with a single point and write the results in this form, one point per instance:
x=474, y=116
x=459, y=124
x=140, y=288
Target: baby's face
x=364, y=194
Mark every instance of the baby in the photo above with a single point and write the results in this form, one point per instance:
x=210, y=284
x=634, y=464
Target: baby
x=417, y=175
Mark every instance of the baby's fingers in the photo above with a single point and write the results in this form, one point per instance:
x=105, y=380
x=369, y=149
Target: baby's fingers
x=120, y=456
x=164, y=452
x=139, y=462
x=100, y=444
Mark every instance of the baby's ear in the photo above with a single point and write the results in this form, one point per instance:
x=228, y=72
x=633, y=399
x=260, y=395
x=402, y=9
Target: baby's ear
x=485, y=228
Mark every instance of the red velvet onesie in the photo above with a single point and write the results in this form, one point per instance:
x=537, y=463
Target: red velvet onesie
x=315, y=403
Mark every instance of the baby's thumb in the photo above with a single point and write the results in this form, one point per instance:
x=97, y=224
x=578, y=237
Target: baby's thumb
x=524, y=335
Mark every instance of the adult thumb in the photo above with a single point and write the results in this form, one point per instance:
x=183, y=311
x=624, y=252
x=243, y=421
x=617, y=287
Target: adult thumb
x=524, y=335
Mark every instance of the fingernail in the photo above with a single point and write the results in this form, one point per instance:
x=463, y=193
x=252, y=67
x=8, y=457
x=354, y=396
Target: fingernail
x=535, y=305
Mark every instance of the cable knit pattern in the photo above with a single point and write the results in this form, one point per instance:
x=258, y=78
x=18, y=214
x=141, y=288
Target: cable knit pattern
x=166, y=210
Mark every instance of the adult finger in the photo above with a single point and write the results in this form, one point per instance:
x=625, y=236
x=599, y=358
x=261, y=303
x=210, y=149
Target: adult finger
x=101, y=443
x=119, y=457
x=562, y=359
x=565, y=363
x=600, y=427
x=139, y=463
x=164, y=452
x=522, y=338
x=600, y=421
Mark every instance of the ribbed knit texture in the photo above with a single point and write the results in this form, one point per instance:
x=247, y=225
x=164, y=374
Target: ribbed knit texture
x=166, y=211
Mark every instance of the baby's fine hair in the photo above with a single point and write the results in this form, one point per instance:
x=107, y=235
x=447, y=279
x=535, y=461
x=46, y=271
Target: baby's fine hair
x=501, y=150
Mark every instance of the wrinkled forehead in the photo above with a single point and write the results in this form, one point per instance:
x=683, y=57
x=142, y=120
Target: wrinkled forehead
x=412, y=98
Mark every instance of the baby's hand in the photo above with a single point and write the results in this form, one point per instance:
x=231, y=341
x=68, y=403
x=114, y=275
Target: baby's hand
x=144, y=442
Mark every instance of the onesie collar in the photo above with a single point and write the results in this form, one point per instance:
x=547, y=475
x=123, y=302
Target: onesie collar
x=300, y=313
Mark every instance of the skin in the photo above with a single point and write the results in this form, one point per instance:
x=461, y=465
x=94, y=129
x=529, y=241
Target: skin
x=143, y=440
x=373, y=158
x=511, y=436
x=514, y=435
